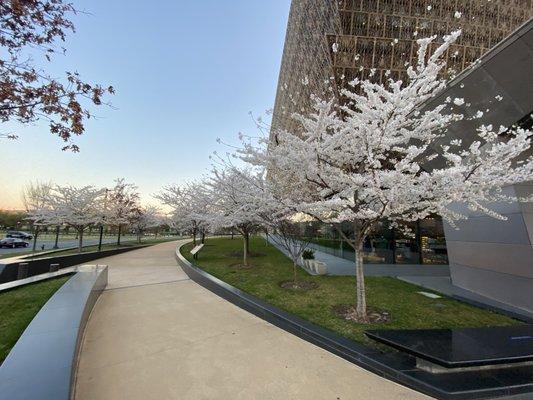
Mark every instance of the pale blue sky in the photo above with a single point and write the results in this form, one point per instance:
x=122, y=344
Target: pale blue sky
x=186, y=72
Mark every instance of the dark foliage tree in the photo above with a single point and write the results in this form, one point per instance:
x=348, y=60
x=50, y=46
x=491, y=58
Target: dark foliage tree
x=36, y=28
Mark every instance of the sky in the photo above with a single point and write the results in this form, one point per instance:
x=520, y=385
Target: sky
x=185, y=72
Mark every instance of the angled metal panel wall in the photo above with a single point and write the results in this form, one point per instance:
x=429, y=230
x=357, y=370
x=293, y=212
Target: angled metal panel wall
x=488, y=256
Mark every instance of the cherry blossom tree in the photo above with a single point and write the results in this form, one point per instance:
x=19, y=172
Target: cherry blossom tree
x=188, y=204
x=35, y=197
x=31, y=30
x=285, y=232
x=145, y=218
x=103, y=213
x=76, y=207
x=279, y=218
x=366, y=160
x=122, y=203
x=237, y=202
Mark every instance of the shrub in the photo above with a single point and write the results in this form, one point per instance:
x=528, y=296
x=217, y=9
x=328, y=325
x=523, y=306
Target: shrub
x=308, y=254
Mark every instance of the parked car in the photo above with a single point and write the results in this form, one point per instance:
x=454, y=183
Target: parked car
x=19, y=235
x=13, y=242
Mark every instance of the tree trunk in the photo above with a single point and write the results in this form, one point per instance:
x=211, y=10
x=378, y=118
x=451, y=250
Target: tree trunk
x=57, y=237
x=80, y=240
x=100, y=239
x=36, y=233
x=419, y=243
x=139, y=237
x=119, y=233
x=246, y=238
x=203, y=237
x=194, y=238
x=360, y=279
x=232, y=234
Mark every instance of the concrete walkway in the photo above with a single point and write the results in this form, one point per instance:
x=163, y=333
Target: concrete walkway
x=155, y=334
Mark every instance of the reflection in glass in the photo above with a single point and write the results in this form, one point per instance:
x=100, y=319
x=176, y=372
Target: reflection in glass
x=425, y=244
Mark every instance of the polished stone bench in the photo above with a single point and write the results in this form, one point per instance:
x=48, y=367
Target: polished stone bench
x=459, y=350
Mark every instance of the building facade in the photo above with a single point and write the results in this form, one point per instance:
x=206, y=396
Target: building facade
x=331, y=42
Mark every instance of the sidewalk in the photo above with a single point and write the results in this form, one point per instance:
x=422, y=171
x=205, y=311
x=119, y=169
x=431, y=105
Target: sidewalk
x=444, y=285
x=155, y=334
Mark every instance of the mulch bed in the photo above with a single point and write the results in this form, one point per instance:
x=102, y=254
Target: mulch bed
x=347, y=313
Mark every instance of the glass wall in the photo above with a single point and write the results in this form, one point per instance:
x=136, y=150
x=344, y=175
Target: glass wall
x=425, y=244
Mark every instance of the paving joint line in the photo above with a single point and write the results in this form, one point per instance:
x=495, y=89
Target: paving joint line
x=147, y=284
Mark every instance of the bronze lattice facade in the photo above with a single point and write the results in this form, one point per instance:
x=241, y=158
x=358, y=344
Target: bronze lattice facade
x=330, y=42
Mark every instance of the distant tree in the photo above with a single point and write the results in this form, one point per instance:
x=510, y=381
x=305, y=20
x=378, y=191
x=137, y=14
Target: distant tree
x=122, y=203
x=41, y=211
x=271, y=211
x=76, y=207
x=36, y=200
x=29, y=28
x=236, y=202
x=11, y=219
x=145, y=218
x=188, y=204
x=103, y=215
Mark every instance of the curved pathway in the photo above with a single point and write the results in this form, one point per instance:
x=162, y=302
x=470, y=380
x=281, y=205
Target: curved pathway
x=155, y=334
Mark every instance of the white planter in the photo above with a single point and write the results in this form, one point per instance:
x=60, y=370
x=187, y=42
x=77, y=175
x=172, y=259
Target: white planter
x=320, y=268
x=315, y=267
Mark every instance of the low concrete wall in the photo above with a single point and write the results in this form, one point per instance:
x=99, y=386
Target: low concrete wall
x=9, y=268
x=43, y=362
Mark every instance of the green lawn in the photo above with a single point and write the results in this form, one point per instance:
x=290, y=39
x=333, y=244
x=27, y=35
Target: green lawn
x=408, y=309
x=19, y=306
x=18, y=253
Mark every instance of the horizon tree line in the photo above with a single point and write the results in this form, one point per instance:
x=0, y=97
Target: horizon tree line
x=85, y=207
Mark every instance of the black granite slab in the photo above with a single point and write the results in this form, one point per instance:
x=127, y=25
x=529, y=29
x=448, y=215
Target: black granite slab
x=454, y=348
